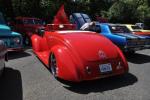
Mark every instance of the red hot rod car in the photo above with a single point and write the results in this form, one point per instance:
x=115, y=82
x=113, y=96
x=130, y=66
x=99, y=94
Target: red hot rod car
x=78, y=55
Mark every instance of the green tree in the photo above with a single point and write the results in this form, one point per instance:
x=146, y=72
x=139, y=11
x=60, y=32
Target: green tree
x=129, y=11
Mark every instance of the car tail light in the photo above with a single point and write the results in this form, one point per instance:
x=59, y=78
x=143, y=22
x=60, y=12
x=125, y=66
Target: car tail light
x=88, y=70
x=119, y=66
x=61, y=26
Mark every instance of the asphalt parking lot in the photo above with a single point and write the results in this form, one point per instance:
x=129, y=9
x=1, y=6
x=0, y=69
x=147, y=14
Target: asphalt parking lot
x=26, y=78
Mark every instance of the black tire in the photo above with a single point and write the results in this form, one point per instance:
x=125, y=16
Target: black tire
x=53, y=65
x=27, y=41
x=131, y=52
x=3, y=72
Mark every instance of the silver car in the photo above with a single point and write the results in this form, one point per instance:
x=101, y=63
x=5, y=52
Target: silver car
x=3, y=56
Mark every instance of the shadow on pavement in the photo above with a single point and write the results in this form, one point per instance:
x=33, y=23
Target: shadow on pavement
x=19, y=54
x=11, y=85
x=102, y=85
x=138, y=58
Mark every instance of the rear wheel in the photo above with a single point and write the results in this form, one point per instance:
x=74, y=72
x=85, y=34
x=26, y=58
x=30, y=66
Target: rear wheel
x=53, y=65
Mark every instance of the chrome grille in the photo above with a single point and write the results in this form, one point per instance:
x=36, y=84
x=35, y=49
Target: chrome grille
x=9, y=42
x=137, y=42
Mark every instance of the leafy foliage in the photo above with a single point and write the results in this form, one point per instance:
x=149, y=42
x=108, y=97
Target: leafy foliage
x=118, y=11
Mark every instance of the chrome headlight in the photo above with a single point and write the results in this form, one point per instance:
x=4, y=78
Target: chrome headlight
x=17, y=40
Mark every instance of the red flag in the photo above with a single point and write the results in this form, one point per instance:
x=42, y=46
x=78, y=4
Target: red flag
x=61, y=17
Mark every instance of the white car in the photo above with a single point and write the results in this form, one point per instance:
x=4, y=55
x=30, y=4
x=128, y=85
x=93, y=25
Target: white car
x=141, y=25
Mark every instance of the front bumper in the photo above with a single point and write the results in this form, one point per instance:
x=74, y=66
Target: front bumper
x=117, y=68
x=122, y=72
x=135, y=48
x=15, y=49
x=136, y=44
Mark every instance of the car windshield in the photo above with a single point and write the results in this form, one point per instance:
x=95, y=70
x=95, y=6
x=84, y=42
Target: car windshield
x=2, y=21
x=135, y=27
x=28, y=21
x=39, y=22
x=33, y=21
x=119, y=29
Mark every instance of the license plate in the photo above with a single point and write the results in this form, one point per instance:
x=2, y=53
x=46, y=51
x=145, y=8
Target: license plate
x=105, y=68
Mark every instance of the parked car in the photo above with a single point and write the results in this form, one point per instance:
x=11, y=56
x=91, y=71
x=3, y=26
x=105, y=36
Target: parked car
x=123, y=38
x=141, y=25
x=27, y=26
x=118, y=34
x=137, y=30
x=12, y=40
x=79, y=19
x=77, y=55
x=3, y=56
x=68, y=56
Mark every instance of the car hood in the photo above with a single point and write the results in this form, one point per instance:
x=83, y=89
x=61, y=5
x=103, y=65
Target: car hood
x=145, y=30
x=130, y=36
x=6, y=31
x=91, y=47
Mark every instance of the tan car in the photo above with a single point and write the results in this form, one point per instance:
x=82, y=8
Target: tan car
x=137, y=30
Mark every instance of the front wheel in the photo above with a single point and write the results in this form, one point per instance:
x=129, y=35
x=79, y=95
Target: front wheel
x=27, y=41
x=53, y=65
x=131, y=52
x=2, y=74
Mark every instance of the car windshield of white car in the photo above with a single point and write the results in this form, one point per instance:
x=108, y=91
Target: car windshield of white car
x=136, y=28
x=119, y=29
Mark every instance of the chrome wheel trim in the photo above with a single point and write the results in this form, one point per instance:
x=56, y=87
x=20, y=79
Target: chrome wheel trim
x=53, y=65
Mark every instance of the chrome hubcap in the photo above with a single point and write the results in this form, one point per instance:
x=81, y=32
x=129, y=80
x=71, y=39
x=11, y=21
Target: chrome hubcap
x=54, y=68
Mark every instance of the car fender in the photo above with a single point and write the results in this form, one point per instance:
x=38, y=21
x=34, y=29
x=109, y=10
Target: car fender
x=67, y=68
x=123, y=59
x=118, y=40
x=39, y=43
x=35, y=43
x=15, y=33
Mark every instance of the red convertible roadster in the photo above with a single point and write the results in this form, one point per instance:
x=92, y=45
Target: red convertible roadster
x=77, y=55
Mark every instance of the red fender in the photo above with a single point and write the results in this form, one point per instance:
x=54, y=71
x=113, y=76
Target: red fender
x=67, y=69
x=39, y=43
x=36, y=43
x=123, y=59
